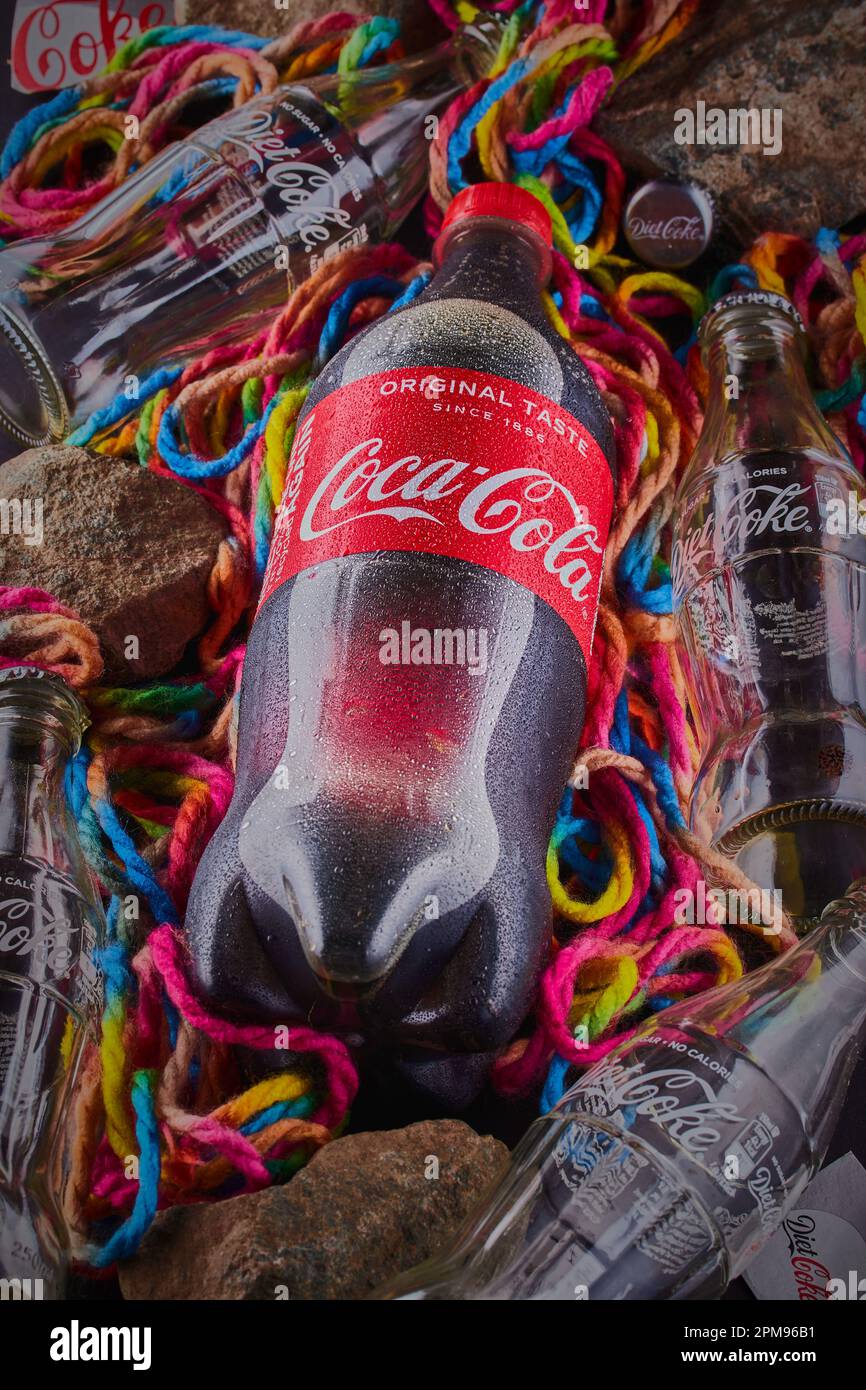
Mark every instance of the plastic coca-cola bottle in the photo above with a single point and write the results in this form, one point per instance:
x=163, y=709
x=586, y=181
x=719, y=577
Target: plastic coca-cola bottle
x=414, y=684
x=205, y=242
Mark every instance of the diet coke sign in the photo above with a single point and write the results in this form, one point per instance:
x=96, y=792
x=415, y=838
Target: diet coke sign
x=57, y=43
x=757, y=510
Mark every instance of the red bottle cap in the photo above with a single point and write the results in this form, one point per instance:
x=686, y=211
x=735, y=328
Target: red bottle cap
x=501, y=200
x=497, y=200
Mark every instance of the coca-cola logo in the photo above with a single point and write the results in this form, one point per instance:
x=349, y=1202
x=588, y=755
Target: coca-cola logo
x=526, y=506
x=56, y=43
x=259, y=139
x=761, y=509
x=676, y=228
x=49, y=942
x=479, y=469
x=676, y=1099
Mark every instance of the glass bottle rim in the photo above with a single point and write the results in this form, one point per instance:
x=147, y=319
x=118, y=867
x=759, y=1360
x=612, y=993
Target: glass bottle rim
x=750, y=312
x=31, y=692
x=41, y=377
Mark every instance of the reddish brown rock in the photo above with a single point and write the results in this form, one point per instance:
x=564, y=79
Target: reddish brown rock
x=129, y=551
x=802, y=57
x=367, y=1207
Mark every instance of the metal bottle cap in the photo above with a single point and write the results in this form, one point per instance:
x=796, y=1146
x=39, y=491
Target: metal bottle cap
x=668, y=225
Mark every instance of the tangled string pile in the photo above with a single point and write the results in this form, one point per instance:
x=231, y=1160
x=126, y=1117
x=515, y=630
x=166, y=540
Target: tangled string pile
x=163, y=1115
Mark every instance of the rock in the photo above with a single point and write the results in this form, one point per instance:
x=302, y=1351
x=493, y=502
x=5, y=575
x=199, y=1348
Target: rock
x=269, y=20
x=131, y=552
x=802, y=57
x=363, y=1210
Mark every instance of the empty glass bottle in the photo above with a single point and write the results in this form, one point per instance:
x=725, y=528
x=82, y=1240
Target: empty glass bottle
x=769, y=572
x=663, y=1171
x=204, y=243
x=51, y=922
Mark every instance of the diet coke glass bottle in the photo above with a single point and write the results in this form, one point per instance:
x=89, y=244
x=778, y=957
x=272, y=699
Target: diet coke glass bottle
x=769, y=573
x=666, y=1168
x=51, y=924
x=207, y=241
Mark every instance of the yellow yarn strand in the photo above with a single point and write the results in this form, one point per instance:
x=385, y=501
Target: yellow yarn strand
x=276, y=1090
x=276, y=456
x=615, y=895
x=118, y=1121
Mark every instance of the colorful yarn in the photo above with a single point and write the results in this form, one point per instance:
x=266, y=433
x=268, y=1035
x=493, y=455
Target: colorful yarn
x=163, y=1114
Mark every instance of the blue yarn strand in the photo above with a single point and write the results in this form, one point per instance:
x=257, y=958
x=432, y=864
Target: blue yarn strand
x=128, y=1236
x=122, y=406
x=340, y=311
x=554, y=1086
x=461, y=141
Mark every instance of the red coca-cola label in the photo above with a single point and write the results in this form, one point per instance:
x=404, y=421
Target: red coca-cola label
x=456, y=463
x=57, y=43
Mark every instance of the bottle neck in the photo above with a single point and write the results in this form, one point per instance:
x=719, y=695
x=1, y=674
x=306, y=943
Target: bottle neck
x=40, y=731
x=391, y=112
x=759, y=397
x=802, y=1017
x=845, y=928
x=494, y=259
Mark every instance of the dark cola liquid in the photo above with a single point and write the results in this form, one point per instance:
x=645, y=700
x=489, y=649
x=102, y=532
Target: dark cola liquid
x=393, y=886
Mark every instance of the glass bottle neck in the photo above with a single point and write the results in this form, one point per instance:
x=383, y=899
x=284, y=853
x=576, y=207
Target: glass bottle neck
x=40, y=729
x=391, y=112
x=32, y=800
x=845, y=938
x=801, y=1018
x=35, y=741
x=759, y=397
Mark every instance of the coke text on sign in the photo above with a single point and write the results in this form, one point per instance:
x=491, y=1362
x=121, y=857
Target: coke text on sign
x=457, y=463
x=57, y=43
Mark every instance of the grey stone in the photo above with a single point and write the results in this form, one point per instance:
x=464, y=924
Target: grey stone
x=130, y=551
x=803, y=57
x=364, y=1209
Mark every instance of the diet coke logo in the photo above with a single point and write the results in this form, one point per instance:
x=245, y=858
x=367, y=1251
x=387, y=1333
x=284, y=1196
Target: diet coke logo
x=677, y=228
x=306, y=189
x=758, y=510
x=678, y=1100
x=56, y=43
x=526, y=506
x=49, y=942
